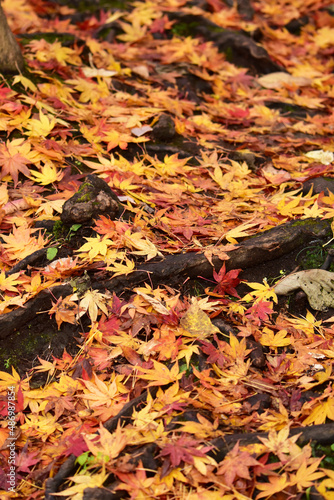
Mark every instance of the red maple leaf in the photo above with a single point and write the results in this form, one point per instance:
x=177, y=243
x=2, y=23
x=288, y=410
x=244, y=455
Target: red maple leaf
x=25, y=460
x=182, y=450
x=227, y=281
x=259, y=312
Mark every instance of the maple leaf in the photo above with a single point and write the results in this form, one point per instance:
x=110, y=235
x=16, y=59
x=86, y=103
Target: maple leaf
x=45, y=366
x=279, y=442
x=183, y=449
x=9, y=283
x=20, y=242
x=25, y=460
x=132, y=32
x=27, y=84
x=92, y=301
x=262, y=292
x=142, y=244
x=138, y=485
x=108, y=445
x=14, y=158
x=100, y=393
x=95, y=247
x=275, y=485
x=236, y=464
x=41, y=426
x=65, y=310
x=321, y=412
x=160, y=374
x=306, y=475
x=12, y=380
x=227, y=281
x=83, y=480
x=41, y=127
x=239, y=232
x=275, y=340
x=127, y=266
x=259, y=312
x=48, y=175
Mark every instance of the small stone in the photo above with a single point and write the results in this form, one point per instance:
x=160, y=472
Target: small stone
x=93, y=198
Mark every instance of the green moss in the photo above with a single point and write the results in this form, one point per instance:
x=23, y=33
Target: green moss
x=58, y=229
x=84, y=192
x=229, y=54
x=184, y=29
x=327, y=452
x=313, y=257
x=25, y=345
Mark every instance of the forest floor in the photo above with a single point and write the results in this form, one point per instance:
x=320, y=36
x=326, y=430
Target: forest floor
x=166, y=286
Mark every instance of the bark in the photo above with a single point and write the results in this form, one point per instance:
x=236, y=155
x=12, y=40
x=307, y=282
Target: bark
x=11, y=59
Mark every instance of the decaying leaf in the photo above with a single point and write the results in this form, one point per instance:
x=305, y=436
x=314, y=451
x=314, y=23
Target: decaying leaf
x=318, y=285
x=197, y=323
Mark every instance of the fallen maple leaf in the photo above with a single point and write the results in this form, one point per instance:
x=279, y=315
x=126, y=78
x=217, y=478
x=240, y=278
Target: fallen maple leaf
x=83, y=480
x=239, y=232
x=48, y=175
x=197, y=323
x=262, y=292
x=65, y=309
x=159, y=374
x=92, y=301
x=14, y=158
x=227, y=281
x=236, y=464
x=271, y=339
x=275, y=485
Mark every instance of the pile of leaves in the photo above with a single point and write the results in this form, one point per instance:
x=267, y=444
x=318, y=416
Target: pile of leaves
x=206, y=142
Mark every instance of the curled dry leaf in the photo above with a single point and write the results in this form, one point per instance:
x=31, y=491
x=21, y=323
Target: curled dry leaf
x=318, y=285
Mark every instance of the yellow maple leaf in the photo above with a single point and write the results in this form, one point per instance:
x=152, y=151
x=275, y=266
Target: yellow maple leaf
x=275, y=485
x=41, y=426
x=96, y=247
x=142, y=245
x=109, y=445
x=9, y=283
x=324, y=410
x=197, y=323
x=41, y=127
x=21, y=242
x=132, y=32
x=82, y=481
x=160, y=374
x=271, y=339
x=48, y=175
x=12, y=380
x=27, y=84
x=239, y=232
x=306, y=475
x=290, y=208
x=92, y=301
x=261, y=292
x=119, y=268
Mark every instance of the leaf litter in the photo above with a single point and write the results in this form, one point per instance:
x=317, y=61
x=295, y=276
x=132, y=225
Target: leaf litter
x=84, y=105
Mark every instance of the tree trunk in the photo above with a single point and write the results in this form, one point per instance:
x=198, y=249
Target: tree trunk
x=11, y=59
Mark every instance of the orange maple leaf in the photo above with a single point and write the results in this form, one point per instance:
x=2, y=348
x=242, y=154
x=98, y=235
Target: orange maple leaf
x=236, y=464
x=14, y=159
x=66, y=310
